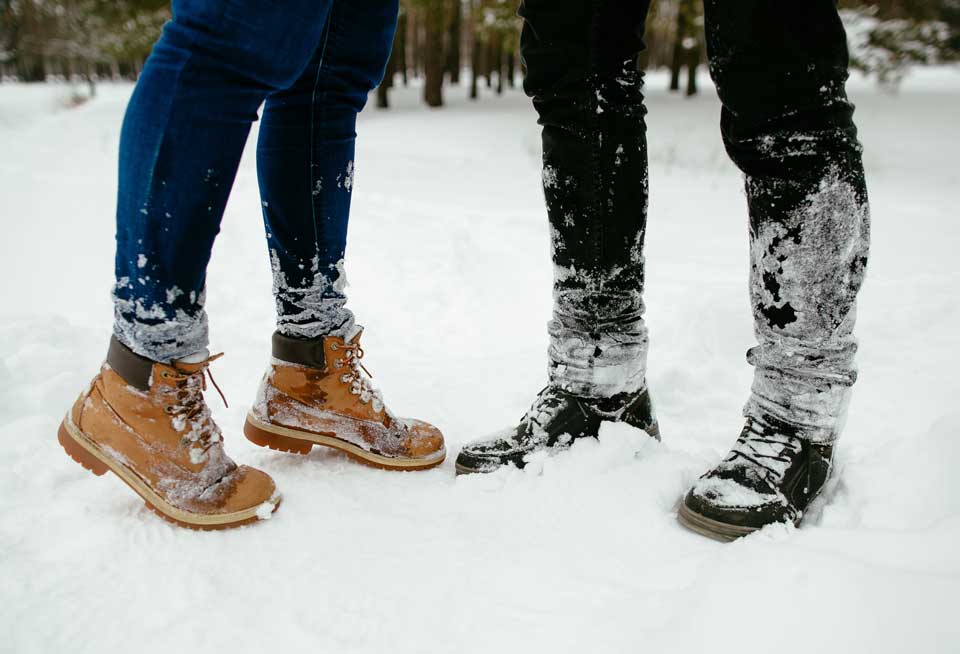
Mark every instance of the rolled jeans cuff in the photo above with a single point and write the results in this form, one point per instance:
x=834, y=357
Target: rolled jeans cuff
x=597, y=365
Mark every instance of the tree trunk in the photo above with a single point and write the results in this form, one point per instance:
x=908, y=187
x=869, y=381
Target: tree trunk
x=453, y=42
x=416, y=41
x=383, y=101
x=90, y=75
x=433, y=53
x=488, y=62
x=498, y=63
x=475, y=47
x=512, y=69
x=402, y=36
x=32, y=69
x=693, y=60
x=676, y=61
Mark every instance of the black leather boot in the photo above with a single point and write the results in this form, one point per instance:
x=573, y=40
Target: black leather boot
x=554, y=421
x=771, y=475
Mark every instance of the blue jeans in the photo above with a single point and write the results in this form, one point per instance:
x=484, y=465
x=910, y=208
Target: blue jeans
x=311, y=64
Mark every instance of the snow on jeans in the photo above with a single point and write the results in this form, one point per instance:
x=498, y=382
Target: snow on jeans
x=780, y=70
x=311, y=64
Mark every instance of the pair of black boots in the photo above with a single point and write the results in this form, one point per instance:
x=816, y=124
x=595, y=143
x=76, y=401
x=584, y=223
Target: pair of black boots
x=771, y=474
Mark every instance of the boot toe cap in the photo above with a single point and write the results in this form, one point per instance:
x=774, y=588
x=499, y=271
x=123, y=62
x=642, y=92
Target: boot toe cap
x=423, y=440
x=491, y=453
x=251, y=488
x=744, y=509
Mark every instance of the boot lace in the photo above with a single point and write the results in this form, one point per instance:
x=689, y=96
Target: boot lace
x=543, y=410
x=189, y=408
x=765, y=450
x=359, y=384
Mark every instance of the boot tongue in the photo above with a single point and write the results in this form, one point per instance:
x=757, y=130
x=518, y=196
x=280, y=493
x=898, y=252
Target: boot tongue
x=354, y=334
x=192, y=362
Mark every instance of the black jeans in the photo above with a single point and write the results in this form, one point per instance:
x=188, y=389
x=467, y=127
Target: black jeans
x=780, y=70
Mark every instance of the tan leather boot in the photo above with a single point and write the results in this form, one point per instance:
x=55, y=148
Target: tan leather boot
x=147, y=423
x=316, y=394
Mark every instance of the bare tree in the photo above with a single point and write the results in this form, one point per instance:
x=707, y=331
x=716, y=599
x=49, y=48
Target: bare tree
x=453, y=41
x=433, y=59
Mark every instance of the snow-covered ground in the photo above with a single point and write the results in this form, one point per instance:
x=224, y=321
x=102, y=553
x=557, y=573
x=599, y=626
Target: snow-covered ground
x=449, y=273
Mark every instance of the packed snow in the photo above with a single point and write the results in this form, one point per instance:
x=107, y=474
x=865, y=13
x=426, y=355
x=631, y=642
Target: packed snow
x=451, y=278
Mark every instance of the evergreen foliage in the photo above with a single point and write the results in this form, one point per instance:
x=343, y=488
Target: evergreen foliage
x=95, y=39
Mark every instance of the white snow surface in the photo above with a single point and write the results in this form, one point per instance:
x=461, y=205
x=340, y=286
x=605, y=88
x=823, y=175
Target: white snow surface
x=450, y=275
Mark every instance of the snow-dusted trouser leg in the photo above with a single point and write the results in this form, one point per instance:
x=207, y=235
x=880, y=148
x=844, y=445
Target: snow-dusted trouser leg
x=313, y=61
x=305, y=165
x=182, y=138
x=780, y=70
x=580, y=56
x=805, y=272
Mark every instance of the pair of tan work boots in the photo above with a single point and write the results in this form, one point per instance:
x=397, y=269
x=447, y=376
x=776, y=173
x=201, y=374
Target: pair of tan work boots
x=148, y=423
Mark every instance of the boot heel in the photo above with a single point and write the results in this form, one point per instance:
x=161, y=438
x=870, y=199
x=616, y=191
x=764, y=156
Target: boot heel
x=78, y=453
x=264, y=438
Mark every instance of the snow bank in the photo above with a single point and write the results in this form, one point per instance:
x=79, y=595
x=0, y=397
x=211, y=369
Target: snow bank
x=450, y=275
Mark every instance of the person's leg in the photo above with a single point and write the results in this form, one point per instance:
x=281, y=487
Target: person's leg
x=143, y=416
x=588, y=93
x=583, y=79
x=305, y=163
x=315, y=391
x=780, y=70
x=183, y=134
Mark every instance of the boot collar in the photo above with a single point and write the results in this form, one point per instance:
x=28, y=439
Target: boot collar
x=309, y=352
x=133, y=368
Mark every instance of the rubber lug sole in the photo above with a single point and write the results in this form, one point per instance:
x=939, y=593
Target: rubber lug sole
x=298, y=441
x=467, y=470
x=79, y=454
x=726, y=532
x=84, y=452
x=710, y=528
